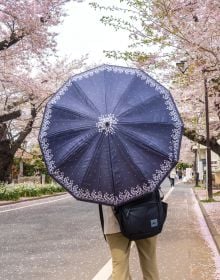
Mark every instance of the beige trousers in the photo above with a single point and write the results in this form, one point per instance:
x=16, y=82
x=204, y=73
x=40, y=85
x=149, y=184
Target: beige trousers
x=120, y=250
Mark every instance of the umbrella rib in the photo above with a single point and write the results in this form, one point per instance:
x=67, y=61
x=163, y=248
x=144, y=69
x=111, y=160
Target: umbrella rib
x=63, y=132
x=149, y=100
x=137, y=142
x=124, y=93
x=144, y=122
x=69, y=154
x=81, y=92
x=110, y=159
x=130, y=158
x=72, y=112
x=93, y=158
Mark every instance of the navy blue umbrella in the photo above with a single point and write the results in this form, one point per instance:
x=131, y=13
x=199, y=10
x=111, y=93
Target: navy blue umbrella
x=110, y=135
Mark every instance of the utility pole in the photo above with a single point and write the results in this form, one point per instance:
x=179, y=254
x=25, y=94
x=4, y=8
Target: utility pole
x=208, y=149
x=183, y=67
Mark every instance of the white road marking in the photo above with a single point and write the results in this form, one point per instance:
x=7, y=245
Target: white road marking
x=105, y=272
x=168, y=193
x=35, y=204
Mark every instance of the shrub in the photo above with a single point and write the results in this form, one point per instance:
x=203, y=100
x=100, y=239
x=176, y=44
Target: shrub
x=8, y=192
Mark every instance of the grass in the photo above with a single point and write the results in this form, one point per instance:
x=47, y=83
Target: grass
x=200, y=186
x=16, y=192
x=209, y=200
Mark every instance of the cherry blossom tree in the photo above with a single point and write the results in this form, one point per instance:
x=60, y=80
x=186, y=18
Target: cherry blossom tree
x=28, y=74
x=163, y=33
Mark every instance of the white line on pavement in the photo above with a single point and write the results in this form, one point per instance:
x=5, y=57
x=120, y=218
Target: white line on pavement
x=34, y=204
x=168, y=193
x=106, y=270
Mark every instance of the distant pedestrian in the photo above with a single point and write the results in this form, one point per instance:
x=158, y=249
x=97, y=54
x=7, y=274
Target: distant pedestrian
x=172, y=177
x=180, y=174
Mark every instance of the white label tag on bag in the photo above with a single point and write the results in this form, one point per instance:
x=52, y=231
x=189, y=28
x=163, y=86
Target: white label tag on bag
x=154, y=223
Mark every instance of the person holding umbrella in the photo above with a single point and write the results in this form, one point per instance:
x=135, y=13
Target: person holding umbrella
x=120, y=250
x=111, y=135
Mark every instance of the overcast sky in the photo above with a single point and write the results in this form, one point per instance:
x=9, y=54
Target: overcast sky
x=82, y=33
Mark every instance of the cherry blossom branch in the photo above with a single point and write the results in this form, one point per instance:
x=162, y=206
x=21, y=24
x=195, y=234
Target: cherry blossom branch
x=14, y=38
x=9, y=116
x=192, y=135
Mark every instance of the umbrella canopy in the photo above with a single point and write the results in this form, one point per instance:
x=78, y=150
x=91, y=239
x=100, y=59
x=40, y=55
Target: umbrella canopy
x=110, y=135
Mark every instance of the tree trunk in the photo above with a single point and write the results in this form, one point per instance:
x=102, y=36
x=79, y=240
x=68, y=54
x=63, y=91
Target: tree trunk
x=217, y=104
x=6, y=161
x=9, y=148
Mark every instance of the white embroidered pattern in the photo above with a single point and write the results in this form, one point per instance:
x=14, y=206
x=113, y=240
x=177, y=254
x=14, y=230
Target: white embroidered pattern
x=136, y=191
x=107, y=123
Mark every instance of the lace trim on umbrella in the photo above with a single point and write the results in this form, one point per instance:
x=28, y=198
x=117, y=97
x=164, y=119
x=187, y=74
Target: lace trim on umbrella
x=109, y=198
x=136, y=191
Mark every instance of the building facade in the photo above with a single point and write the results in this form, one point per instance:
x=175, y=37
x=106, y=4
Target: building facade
x=200, y=164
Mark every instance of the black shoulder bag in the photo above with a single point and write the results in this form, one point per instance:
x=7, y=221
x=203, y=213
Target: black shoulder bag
x=142, y=218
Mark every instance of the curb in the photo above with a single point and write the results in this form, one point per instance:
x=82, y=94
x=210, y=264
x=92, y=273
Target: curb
x=30, y=199
x=211, y=227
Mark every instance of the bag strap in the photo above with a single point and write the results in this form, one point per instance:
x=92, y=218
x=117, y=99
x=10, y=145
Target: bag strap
x=161, y=193
x=101, y=219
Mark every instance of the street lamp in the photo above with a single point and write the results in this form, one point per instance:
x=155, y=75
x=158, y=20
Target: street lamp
x=182, y=66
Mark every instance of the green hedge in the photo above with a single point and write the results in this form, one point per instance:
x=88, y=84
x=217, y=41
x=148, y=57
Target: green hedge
x=25, y=190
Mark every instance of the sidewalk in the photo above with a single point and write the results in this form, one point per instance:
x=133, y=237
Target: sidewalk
x=211, y=212
x=186, y=250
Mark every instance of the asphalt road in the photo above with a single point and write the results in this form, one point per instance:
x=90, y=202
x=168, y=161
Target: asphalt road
x=51, y=239
x=59, y=240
